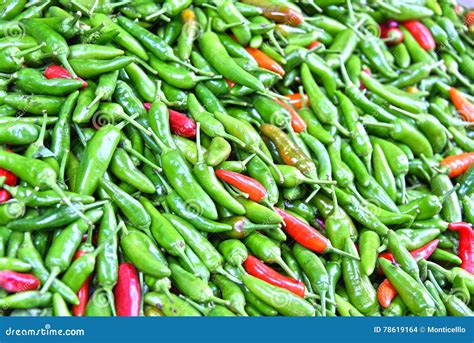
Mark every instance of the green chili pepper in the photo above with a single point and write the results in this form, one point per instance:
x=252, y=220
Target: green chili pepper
x=315, y=270
x=284, y=301
x=171, y=305
x=369, y=243
x=144, y=254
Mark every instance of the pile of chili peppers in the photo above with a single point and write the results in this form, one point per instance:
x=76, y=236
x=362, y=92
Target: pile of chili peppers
x=236, y=158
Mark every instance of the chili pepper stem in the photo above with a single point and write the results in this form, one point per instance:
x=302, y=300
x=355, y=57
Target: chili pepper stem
x=268, y=161
x=156, y=14
x=62, y=169
x=220, y=301
x=63, y=59
x=142, y=158
x=193, y=68
x=146, y=66
x=222, y=271
x=30, y=50
x=68, y=202
x=285, y=267
x=110, y=299
x=54, y=272
x=331, y=249
x=274, y=42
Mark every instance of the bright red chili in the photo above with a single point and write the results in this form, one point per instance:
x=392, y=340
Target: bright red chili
x=297, y=123
x=10, y=178
x=458, y=164
x=15, y=282
x=83, y=294
x=295, y=100
x=147, y=105
x=421, y=33
x=469, y=20
x=257, y=268
x=182, y=125
x=230, y=83
x=385, y=293
x=464, y=106
x=127, y=292
x=58, y=72
x=391, y=35
x=4, y=196
x=423, y=252
x=313, y=45
x=303, y=233
x=246, y=184
x=265, y=61
x=466, y=246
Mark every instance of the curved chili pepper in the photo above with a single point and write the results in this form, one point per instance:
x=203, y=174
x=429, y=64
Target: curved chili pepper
x=421, y=33
x=458, y=164
x=385, y=293
x=306, y=235
x=83, y=294
x=466, y=246
x=423, y=252
x=246, y=184
x=297, y=100
x=265, y=61
x=127, y=291
x=15, y=282
x=463, y=105
x=256, y=268
x=55, y=71
x=297, y=123
x=182, y=125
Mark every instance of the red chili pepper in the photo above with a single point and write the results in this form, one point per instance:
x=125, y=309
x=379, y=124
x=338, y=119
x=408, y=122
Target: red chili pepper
x=423, y=252
x=265, y=61
x=246, y=184
x=256, y=268
x=464, y=106
x=295, y=100
x=4, y=196
x=458, y=164
x=297, y=123
x=391, y=35
x=303, y=233
x=182, y=125
x=127, y=291
x=230, y=83
x=466, y=244
x=469, y=20
x=421, y=33
x=147, y=105
x=83, y=294
x=10, y=178
x=312, y=45
x=385, y=293
x=58, y=72
x=18, y=282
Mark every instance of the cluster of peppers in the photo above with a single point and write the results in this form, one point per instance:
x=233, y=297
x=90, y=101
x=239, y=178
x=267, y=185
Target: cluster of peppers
x=223, y=158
